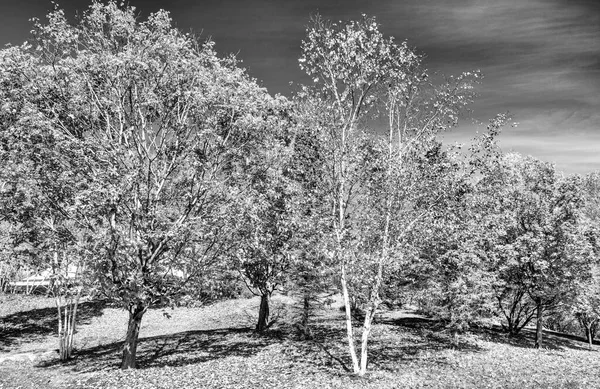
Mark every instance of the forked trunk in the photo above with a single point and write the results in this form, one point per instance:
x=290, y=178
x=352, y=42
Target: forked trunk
x=365, y=339
x=263, y=313
x=349, y=331
x=538, y=328
x=128, y=360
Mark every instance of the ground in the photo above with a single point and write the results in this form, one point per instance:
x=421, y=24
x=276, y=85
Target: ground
x=215, y=347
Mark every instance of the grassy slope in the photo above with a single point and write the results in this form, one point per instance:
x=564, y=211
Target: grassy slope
x=215, y=347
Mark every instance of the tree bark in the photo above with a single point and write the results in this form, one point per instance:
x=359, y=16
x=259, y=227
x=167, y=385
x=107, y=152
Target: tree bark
x=349, y=331
x=263, y=313
x=589, y=335
x=306, y=311
x=67, y=316
x=511, y=329
x=365, y=339
x=538, y=329
x=61, y=334
x=128, y=360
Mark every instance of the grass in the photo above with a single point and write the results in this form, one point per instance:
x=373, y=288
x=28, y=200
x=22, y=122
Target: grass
x=215, y=347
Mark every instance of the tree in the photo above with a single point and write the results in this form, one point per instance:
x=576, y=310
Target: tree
x=67, y=286
x=38, y=194
x=356, y=71
x=447, y=269
x=265, y=248
x=482, y=225
x=446, y=262
x=54, y=244
x=151, y=125
x=539, y=245
x=586, y=306
x=311, y=277
x=267, y=220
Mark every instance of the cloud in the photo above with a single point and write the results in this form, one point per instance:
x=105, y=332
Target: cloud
x=540, y=58
x=572, y=153
x=564, y=136
x=510, y=21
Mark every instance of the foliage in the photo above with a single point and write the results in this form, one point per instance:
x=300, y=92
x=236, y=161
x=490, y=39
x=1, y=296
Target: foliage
x=267, y=219
x=445, y=259
x=131, y=149
x=374, y=190
x=536, y=236
x=148, y=126
x=585, y=307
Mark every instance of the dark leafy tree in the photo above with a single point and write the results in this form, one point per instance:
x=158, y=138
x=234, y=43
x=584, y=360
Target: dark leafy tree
x=149, y=124
x=539, y=250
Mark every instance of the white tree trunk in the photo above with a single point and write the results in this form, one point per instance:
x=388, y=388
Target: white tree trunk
x=365, y=340
x=67, y=316
x=349, y=330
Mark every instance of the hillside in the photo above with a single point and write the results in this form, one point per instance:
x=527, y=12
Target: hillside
x=214, y=347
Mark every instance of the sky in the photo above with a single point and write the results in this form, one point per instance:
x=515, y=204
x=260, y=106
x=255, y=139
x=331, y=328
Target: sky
x=540, y=58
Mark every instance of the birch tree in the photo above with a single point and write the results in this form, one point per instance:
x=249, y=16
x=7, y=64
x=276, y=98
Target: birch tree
x=357, y=72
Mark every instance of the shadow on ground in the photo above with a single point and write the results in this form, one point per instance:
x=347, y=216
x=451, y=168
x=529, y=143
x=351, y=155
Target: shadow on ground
x=394, y=342
x=35, y=324
x=525, y=339
x=409, y=339
x=179, y=349
x=390, y=345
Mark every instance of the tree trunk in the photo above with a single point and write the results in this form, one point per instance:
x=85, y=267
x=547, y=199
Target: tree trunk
x=349, y=331
x=365, y=339
x=538, y=329
x=306, y=311
x=589, y=335
x=67, y=316
x=131, y=340
x=263, y=313
x=61, y=334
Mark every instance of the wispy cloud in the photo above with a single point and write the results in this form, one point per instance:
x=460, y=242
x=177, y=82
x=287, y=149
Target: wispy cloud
x=540, y=58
